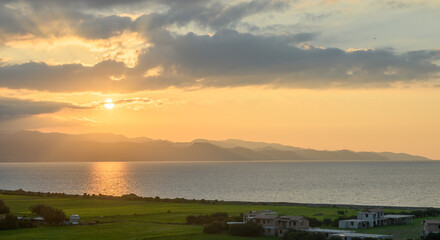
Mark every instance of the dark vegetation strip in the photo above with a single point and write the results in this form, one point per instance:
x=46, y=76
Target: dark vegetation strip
x=134, y=197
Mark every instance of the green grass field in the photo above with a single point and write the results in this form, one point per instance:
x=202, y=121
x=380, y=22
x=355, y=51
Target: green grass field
x=121, y=219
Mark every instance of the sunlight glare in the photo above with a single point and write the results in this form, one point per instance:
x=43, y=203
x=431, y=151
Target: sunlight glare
x=109, y=104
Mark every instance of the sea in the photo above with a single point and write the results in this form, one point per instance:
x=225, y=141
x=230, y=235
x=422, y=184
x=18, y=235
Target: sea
x=413, y=184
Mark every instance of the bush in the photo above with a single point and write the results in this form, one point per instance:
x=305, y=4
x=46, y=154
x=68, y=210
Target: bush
x=327, y=221
x=9, y=222
x=3, y=207
x=207, y=219
x=215, y=227
x=246, y=230
x=219, y=216
x=26, y=224
x=314, y=222
x=432, y=236
x=429, y=212
x=51, y=215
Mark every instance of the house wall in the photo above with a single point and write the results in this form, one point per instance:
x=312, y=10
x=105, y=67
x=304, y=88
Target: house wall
x=371, y=217
x=434, y=228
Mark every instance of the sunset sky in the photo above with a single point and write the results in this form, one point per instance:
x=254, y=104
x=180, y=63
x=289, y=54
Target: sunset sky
x=323, y=74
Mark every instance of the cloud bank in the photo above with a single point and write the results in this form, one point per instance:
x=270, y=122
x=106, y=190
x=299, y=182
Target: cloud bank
x=226, y=58
x=11, y=108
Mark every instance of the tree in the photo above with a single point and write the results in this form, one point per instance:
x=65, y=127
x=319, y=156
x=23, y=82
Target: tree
x=432, y=236
x=314, y=222
x=249, y=229
x=215, y=227
x=327, y=221
x=51, y=215
x=3, y=207
x=9, y=222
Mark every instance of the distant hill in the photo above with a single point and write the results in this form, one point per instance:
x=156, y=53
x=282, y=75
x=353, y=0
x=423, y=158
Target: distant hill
x=33, y=146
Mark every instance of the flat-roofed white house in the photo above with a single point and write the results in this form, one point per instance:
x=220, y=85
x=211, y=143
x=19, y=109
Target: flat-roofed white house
x=74, y=219
x=375, y=217
x=431, y=226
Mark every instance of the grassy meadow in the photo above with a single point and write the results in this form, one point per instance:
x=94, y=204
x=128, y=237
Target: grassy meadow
x=124, y=219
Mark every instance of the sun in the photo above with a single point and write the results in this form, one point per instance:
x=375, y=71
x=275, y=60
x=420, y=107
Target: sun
x=109, y=103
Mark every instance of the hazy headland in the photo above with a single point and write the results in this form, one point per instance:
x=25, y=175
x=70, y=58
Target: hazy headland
x=34, y=146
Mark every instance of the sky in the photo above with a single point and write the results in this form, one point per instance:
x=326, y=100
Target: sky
x=322, y=74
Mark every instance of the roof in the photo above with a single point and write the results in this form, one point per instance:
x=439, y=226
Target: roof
x=265, y=217
x=297, y=218
x=433, y=221
x=375, y=210
x=322, y=230
x=353, y=220
x=397, y=216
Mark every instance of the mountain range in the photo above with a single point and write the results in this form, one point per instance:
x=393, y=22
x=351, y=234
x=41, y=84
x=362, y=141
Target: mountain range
x=34, y=146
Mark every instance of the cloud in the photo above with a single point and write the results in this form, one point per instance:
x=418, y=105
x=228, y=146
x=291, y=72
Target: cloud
x=228, y=59
x=88, y=19
x=59, y=78
x=11, y=108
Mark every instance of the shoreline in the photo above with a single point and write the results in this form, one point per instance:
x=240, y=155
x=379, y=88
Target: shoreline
x=133, y=197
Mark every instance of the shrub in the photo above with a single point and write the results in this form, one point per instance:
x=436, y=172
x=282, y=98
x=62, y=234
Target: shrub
x=432, y=236
x=214, y=227
x=3, y=207
x=314, y=222
x=9, y=222
x=246, y=230
x=219, y=216
x=207, y=219
x=327, y=221
x=51, y=215
x=191, y=219
x=26, y=224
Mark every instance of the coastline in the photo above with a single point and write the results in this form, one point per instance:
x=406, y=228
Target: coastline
x=131, y=197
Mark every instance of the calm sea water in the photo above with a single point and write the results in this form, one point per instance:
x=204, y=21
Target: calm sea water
x=366, y=183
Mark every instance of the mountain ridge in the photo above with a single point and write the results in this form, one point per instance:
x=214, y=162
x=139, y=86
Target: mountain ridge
x=34, y=146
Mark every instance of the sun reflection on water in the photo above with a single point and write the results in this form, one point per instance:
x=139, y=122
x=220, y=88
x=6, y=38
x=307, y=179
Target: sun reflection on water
x=109, y=178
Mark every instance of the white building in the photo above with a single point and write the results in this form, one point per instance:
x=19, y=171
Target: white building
x=373, y=218
x=74, y=219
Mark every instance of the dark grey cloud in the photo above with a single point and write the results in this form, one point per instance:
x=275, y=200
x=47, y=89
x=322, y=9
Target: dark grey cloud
x=11, y=108
x=229, y=59
x=67, y=77
x=47, y=18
